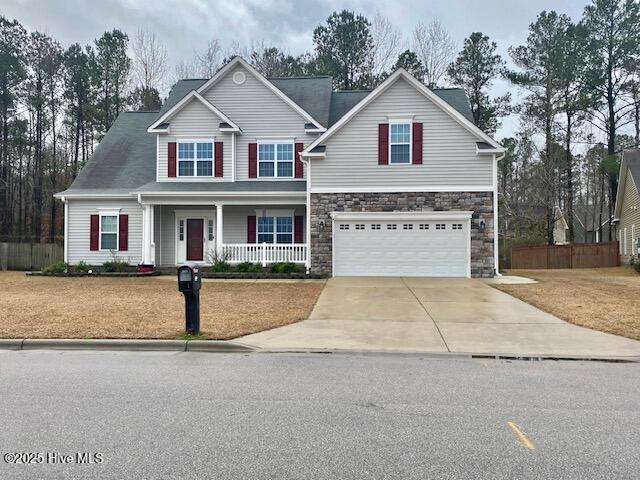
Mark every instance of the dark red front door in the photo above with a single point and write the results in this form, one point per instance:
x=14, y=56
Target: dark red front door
x=195, y=232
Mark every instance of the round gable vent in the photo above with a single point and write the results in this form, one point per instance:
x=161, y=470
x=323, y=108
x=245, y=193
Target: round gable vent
x=239, y=78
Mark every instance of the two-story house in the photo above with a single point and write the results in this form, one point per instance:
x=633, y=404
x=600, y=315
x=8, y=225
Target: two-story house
x=394, y=181
x=627, y=209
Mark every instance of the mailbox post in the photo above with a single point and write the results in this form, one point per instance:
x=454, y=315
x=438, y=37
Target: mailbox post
x=189, y=279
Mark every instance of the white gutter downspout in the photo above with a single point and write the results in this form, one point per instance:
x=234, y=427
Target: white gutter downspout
x=233, y=157
x=66, y=230
x=496, y=255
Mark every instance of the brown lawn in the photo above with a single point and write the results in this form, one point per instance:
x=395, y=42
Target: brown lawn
x=99, y=307
x=605, y=299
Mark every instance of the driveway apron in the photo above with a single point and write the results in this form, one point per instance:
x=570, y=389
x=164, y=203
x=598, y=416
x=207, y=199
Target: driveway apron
x=435, y=315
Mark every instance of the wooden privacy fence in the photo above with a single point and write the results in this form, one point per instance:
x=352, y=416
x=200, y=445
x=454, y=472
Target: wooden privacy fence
x=29, y=256
x=577, y=255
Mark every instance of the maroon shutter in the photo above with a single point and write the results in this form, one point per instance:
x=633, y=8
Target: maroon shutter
x=219, y=158
x=253, y=160
x=94, y=233
x=383, y=144
x=417, y=144
x=299, y=166
x=123, y=233
x=298, y=228
x=171, y=155
x=251, y=229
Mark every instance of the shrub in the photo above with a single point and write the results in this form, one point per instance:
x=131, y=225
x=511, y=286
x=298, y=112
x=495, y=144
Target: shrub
x=284, y=267
x=114, y=266
x=249, y=267
x=60, y=267
x=221, y=266
x=81, y=267
x=634, y=262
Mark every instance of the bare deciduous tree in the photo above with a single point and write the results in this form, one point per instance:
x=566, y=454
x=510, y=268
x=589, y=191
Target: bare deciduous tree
x=436, y=50
x=208, y=62
x=386, y=45
x=149, y=60
x=183, y=69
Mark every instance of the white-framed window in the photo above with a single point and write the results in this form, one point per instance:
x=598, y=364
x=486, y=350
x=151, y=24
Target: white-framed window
x=400, y=142
x=440, y=226
x=195, y=158
x=210, y=229
x=275, y=160
x=109, y=230
x=181, y=230
x=277, y=229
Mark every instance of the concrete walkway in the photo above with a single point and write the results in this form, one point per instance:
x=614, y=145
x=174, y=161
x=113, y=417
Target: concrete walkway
x=435, y=315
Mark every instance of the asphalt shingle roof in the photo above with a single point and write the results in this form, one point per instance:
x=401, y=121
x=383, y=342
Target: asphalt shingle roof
x=222, y=187
x=312, y=94
x=632, y=157
x=125, y=159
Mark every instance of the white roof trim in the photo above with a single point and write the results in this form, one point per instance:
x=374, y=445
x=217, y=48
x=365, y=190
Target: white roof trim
x=457, y=116
x=622, y=181
x=92, y=195
x=431, y=215
x=223, y=194
x=239, y=60
x=182, y=103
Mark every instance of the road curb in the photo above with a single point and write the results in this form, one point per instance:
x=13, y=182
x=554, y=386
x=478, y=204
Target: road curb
x=122, y=344
x=11, y=343
x=455, y=355
x=216, y=346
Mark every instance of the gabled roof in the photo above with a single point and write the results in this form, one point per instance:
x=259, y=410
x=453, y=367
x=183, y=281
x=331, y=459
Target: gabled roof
x=313, y=94
x=162, y=122
x=343, y=101
x=240, y=61
x=630, y=165
x=124, y=159
x=420, y=87
x=179, y=90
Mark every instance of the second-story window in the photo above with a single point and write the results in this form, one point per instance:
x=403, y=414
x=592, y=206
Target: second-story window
x=195, y=159
x=275, y=160
x=400, y=142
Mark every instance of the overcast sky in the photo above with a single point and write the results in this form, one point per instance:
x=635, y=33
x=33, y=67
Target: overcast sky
x=187, y=25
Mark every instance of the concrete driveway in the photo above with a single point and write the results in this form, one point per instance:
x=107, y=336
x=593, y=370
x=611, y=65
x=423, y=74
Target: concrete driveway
x=435, y=315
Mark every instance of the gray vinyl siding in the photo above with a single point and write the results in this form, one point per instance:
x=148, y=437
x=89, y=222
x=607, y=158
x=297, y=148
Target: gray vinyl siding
x=259, y=112
x=449, y=150
x=192, y=122
x=79, y=228
x=629, y=218
x=234, y=225
x=234, y=221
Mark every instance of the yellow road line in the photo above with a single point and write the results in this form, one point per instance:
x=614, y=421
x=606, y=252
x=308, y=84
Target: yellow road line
x=521, y=436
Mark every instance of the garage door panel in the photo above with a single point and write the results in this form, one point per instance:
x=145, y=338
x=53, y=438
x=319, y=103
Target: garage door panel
x=417, y=248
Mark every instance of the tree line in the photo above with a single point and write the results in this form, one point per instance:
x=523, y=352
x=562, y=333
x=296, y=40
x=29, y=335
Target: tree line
x=578, y=98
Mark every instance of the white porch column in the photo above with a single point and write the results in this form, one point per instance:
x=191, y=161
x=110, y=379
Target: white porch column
x=148, y=247
x=219, y=230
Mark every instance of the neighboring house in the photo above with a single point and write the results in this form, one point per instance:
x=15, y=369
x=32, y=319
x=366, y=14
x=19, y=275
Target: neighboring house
x=590, y=225
x=396, y=181
x=627, y=212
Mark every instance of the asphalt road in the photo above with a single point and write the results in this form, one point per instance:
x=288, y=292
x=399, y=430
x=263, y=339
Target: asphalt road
x=288, y=416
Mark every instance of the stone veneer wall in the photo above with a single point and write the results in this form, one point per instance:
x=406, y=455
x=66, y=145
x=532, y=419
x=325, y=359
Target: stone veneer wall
x=481, y=203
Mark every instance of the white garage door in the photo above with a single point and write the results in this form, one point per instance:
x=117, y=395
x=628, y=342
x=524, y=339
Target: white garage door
x=429, y=248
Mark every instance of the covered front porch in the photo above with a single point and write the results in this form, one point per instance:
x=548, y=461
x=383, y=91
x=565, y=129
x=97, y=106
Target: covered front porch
x=233, y=232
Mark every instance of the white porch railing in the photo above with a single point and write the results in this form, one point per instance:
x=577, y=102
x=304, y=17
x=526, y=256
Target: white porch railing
x=264, y=253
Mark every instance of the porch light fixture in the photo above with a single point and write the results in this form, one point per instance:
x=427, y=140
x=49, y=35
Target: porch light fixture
x=321, y=225
x=481, y=225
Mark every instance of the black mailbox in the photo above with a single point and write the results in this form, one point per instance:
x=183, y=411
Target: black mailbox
x=189, y=280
